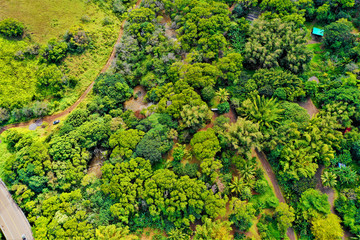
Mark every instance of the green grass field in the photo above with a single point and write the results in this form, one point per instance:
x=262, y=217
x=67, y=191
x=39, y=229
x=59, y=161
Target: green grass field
x=46, y=19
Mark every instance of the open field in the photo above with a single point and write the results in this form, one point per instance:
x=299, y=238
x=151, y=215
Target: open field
x=44, y=20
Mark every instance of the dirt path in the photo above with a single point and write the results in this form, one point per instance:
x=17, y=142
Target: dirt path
x=309, y=106
x=329, y=191
x=266, y=165
x=52, y=118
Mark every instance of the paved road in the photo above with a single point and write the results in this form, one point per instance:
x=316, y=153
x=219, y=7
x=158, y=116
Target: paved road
x=13, y=222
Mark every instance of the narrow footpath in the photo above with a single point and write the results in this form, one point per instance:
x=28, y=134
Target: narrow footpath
x=266, y=165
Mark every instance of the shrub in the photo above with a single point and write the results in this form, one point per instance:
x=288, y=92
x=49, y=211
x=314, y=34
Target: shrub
x=223, y=107
x=208, y=93
x=11, y=28
x=85, y=19
x=261, y=186
x=118, y=7
x=77, y=39
x=55, y=51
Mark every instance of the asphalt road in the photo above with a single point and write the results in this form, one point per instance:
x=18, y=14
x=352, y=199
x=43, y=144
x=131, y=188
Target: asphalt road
x=13, y=222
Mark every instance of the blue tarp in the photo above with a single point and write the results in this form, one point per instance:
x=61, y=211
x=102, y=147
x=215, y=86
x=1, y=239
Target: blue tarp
x=318, y=31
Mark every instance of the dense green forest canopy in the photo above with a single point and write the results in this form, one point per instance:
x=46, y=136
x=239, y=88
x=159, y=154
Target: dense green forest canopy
x=215, y=119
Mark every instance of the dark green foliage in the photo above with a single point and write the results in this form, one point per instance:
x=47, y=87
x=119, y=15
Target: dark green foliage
x=338, y=37
x=208, y=93
x=223, y=107
x=77, y=40
x=77, y=117
x=55, y=51
x=11, y=28
x=267, y=82
x=154, y=144
x=112, y=89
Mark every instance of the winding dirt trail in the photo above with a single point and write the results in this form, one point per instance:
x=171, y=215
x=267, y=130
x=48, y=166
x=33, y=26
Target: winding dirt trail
x=50, y=119
x=266, y=165
x=309, y=107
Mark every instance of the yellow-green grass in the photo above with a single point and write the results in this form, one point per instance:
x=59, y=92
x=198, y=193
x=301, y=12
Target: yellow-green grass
x=317, y=51
x=46, y=19
x=17, y=78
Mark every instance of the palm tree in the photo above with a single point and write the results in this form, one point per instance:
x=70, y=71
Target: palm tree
x=222, y=94
x=264, y=111
x=247, y=171
x=329, y=179
x=237, y=185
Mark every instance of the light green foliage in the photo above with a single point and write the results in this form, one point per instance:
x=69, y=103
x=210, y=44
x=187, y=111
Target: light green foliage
x=213, y=230
x=239, y=187
x=244, y=135
x=111, y=232
x=17, y=78
x=124, y=141
x=203, y=25
x=205, y=144
x=55, y=51
x=268, y=41
x=327, y=228
x=49, y=80
x=314, y=204
x=168, y=195
x=268, y=82
x=266, y=112
x=198, y=75
x=195, y=117
x=242, y=214
x=285, y=216
x=294, y=113
x=231, y=67
x=328, y=179
x=305, y=148
x=178, y=95
x=178, y=234
x=124, y=182
x=62, y=218
x=222, y=95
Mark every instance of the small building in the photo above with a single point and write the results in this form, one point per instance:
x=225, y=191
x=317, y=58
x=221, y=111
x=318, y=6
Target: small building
x=341, y=165
x=318, y=32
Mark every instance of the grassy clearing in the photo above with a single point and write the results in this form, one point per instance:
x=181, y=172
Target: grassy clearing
x=46, y=19
x=317, y=51
x=17, y=78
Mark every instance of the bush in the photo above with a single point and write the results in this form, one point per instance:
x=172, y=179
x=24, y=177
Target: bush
x=11, y=28
x=77, y=39
x=118, y=7
x=261, y=186
x=208, y=93
x=55, y=51
x=106, y=21
x=223, y=107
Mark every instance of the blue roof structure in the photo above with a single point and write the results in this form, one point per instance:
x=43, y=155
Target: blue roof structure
x=318, y=31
